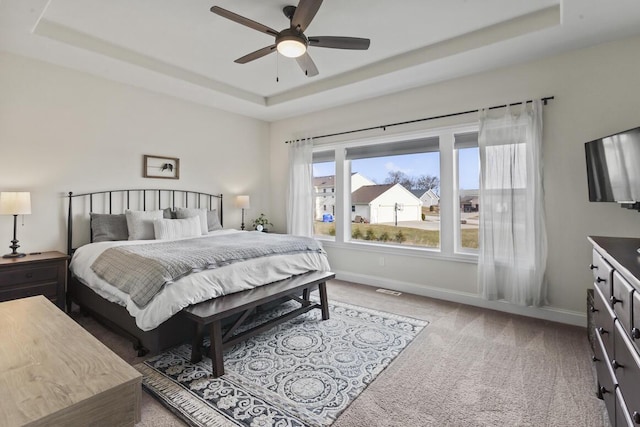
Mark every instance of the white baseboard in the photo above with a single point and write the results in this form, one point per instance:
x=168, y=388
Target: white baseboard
x=546, y=313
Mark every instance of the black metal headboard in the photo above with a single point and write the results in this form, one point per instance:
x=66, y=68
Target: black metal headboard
x=117, y=201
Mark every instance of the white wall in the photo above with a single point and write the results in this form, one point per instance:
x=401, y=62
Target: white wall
x=596, y=94
x=62, y=130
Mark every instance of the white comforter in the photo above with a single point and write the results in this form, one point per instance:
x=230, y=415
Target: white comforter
x=196, y=287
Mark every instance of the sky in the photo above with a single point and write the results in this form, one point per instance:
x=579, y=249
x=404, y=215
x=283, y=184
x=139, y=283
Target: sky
x=414, y=165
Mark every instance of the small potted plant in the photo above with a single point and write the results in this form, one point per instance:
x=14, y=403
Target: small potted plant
x=262, y=223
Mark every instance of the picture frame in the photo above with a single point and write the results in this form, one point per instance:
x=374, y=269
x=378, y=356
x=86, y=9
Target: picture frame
x=161, y=167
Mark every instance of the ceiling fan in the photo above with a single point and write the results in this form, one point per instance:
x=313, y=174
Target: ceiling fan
x=292, y=42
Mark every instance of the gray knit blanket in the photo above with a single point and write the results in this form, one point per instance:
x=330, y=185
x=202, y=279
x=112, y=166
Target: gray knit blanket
x=142, y=270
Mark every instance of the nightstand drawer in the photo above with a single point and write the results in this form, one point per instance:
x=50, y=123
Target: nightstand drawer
x=22, y=275
x=48, y=289
x=35, y=274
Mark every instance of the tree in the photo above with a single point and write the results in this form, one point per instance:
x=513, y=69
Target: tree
x=426, y=182
x=399, y=177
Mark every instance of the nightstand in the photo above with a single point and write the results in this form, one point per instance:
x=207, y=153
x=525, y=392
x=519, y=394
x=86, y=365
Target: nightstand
x=40, y=274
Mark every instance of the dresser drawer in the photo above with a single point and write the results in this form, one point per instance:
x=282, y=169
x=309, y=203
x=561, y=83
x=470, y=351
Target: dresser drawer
x=626, y=367
x=606, y=379
x=621, y=300
x=10, y=277
x=603, y=317
x=635, y=318
x=602, y=273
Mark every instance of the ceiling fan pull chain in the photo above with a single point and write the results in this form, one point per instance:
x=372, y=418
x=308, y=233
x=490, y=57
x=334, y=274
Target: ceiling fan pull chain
x=277, y=68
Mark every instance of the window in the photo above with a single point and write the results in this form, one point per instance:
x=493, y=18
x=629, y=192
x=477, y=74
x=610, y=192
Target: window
x=417, y=191
x=324, y=171
x=468, y=178
x=395, y=192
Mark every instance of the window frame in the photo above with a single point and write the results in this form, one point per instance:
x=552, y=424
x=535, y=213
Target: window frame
x=450, y=248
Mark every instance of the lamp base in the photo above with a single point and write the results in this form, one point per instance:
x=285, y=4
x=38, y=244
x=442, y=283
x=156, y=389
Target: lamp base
x=14, y=255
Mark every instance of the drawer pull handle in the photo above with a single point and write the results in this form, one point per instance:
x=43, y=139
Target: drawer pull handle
x=593, y=267
x=602, y=331
x=595, y=359
x=636, y=417
x=614, y=300
x=635, y=333
x=615, y=364
x=603, y=390
x=593, y=309
x=600, y=280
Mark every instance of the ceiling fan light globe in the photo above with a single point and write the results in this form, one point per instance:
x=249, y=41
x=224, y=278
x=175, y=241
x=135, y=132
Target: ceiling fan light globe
x=291, y=48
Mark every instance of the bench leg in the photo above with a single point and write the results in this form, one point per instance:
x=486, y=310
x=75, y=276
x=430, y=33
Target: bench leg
x=215, y=351
x=196, y=354
x=322, y=287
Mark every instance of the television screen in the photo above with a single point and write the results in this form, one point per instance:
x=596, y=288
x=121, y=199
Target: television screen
x=613, y=167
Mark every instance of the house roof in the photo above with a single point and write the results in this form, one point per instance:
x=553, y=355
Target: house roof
x=469, y=193
x=367, y=193
x=324, y=181
x=420, y=193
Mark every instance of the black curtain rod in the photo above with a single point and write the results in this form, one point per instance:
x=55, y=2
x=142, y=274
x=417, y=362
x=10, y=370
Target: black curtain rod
x=443, y=116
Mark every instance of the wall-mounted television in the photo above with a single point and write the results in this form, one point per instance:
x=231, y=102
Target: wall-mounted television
x=613, y=168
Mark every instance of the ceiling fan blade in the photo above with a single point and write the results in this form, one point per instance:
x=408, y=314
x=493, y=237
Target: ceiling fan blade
x=308, y=66
x=340, y=42
x=304, y=13
x=257, y=54
x=244, y=21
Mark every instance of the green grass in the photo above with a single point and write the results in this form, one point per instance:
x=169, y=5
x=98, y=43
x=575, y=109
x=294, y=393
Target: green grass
x=413, y=236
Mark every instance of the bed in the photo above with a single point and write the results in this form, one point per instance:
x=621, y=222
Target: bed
x=154, y=317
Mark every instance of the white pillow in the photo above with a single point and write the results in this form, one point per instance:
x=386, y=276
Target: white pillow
x=140, y=224
x=182, y=213
x=169, y=229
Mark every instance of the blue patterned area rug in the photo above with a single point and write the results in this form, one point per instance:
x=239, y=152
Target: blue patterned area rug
x=303, y=372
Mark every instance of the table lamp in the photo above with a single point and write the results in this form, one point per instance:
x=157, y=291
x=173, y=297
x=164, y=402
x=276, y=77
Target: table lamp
x=243, y=203
x=15, y=203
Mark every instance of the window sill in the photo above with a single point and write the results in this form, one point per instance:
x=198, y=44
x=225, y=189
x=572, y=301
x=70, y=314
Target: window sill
x=396, y=250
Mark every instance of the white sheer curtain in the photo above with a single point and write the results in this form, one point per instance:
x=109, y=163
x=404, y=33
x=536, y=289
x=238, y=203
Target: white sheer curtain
x=300, y=200
x=513, y=239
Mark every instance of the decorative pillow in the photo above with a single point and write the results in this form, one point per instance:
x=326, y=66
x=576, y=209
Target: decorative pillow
x=182, y=213
x=213, y=220
x=140, y=224
x=169, y=229
x=168, y=213
x=107, y=227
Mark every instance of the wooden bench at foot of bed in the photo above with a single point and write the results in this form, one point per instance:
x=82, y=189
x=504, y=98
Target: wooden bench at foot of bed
x=211, y=313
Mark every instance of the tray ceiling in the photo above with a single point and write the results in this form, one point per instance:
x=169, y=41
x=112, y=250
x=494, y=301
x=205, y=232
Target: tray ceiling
x=182, y=49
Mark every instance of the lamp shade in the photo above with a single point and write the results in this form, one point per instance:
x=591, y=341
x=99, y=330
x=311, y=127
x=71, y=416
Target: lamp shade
x=243, y=202
x=15, y=203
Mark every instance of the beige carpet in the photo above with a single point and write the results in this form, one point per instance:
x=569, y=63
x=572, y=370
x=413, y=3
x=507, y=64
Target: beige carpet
x=469, y=367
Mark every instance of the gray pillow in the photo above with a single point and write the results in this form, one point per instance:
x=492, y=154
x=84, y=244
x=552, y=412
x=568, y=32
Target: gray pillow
x=140, y=224
x=106, y=227
x=213, y=221
x=169, y=213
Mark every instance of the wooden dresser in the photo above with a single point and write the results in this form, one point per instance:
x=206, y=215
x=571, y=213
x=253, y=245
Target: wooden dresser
x=38, y=274
x=616, y=319
x=54, y=373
